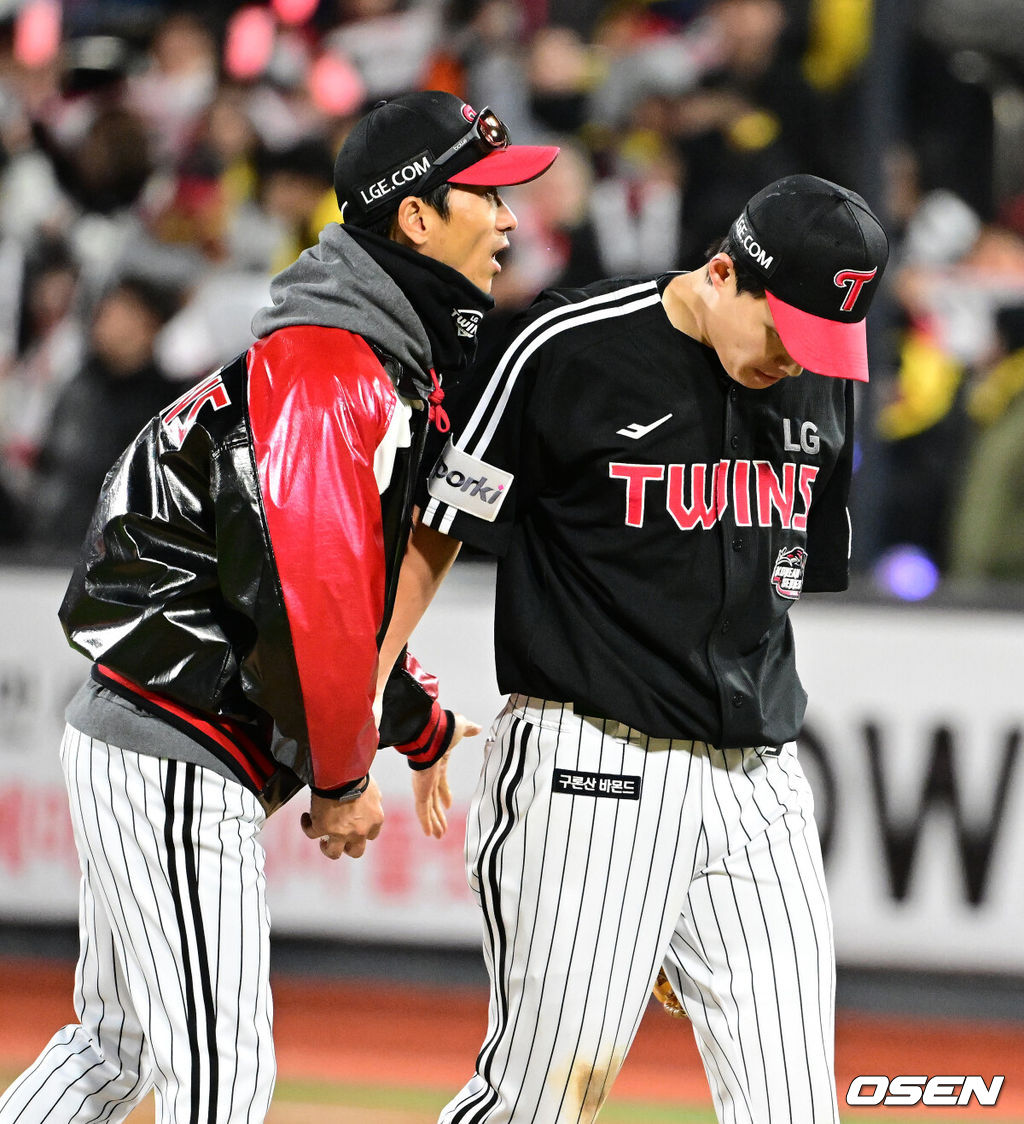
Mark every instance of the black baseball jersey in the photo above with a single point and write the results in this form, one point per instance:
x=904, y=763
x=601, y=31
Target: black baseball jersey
x=655, y=520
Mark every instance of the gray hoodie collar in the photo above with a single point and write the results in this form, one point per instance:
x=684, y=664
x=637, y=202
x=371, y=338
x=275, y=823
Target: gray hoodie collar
x=336, y=284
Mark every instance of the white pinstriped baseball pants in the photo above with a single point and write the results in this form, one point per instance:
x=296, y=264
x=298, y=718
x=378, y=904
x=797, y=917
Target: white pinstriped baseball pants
x=172, y=987
x=714, y=871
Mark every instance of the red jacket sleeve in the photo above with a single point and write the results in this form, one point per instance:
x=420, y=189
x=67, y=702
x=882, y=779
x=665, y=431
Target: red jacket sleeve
x=320, y=405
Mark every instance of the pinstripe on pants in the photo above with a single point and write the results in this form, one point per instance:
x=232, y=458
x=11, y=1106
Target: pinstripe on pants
x=172, y=985
x=715, y=870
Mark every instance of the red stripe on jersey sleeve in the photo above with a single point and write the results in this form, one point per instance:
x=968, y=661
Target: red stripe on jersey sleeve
x=319, y=405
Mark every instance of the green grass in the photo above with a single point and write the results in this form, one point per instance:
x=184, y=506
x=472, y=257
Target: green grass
x=405, y=1097
x=428, y=1103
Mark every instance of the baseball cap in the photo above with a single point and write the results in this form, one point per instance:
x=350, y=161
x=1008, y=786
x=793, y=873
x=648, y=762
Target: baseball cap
x=411, y=144
x=820, y=253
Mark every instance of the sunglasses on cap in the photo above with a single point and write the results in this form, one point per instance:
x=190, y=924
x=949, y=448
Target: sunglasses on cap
x=488, y=130
x=488, y=133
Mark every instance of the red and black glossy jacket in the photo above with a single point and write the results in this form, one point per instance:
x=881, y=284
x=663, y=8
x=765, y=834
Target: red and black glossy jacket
x=241, y=565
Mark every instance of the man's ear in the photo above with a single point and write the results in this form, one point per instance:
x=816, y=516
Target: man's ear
x=412, y=222
x=721, y=270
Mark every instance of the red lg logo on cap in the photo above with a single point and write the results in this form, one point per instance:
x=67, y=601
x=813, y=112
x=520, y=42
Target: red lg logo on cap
x=853, y=280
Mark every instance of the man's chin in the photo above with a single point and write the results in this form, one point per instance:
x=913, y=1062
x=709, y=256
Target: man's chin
x=755, y=379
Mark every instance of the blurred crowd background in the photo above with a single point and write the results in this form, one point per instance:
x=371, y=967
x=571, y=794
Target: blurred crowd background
x=159, y=162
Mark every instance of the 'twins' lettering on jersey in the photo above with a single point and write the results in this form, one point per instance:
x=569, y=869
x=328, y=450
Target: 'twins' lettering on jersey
x=698, y=495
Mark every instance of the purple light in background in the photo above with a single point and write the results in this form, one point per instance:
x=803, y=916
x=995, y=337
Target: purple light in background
x=907, y=573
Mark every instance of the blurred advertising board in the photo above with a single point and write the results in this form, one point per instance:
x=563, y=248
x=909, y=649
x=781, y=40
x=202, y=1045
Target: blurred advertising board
x=913, y=745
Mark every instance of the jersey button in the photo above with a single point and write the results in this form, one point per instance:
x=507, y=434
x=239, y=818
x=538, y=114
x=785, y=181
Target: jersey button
x=733, y=392
x=734, y=441
x=737, y=699
x=726, y=625
x=737, y=544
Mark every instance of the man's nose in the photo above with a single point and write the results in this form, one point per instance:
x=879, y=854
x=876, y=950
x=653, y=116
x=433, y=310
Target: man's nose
x=506, y=217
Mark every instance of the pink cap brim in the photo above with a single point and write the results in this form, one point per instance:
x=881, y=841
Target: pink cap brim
x=826, y=347
x=515, y=164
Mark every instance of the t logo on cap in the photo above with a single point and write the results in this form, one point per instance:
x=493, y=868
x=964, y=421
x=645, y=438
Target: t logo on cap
x=804, y=237
x=854, y=280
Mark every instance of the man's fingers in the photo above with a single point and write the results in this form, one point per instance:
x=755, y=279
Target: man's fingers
x=437, y=822
x=334, y=846
x=344, y=827
x=432, y=794
x=425, y=814
x=442, y=800
x=441, y=826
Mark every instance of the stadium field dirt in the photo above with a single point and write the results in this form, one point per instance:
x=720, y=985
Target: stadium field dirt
x=354, y=1053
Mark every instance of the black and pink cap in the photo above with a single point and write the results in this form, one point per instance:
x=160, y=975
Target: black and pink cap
x=820, y=253
x=411, y=144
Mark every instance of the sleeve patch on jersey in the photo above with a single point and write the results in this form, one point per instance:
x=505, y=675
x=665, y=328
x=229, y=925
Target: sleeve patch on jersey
x=788, y=575
x=469, y=484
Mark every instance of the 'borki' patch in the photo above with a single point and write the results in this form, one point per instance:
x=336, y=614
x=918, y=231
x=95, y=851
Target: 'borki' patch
x=788, y=575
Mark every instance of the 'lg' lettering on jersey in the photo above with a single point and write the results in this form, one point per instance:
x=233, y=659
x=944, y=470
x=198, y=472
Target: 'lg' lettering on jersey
x=700, y=496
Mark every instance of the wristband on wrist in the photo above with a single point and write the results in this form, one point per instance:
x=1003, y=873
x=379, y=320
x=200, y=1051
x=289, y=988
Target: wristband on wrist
x=344, y=793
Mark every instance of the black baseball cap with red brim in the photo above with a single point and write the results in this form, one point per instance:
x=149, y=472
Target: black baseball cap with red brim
x=820, y=252
x=411, y=144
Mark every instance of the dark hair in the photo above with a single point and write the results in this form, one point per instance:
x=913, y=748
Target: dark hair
x=161, y=301
x=747, y=281
x=436, y=198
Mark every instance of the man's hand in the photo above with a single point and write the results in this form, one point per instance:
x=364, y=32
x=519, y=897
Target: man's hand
x=344, y=828
x=431, y=794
